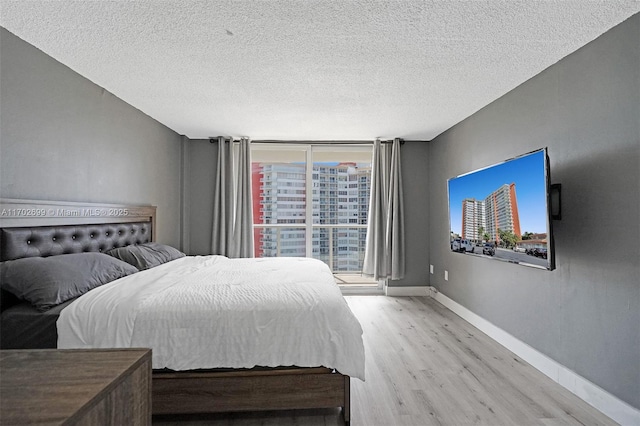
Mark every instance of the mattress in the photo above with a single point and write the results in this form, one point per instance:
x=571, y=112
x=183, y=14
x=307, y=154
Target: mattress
x=215, y=312
x=24, y=327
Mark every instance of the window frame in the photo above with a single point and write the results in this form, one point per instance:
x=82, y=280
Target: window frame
x=309, y=150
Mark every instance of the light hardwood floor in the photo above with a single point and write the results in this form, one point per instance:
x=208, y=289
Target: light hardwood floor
x=427, y=366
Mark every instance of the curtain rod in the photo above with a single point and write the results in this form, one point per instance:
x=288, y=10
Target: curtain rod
x=337, y=142
x=319, y=142
x=348, y=142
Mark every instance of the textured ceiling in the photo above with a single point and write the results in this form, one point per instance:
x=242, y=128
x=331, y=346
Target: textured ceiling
x=312, y=70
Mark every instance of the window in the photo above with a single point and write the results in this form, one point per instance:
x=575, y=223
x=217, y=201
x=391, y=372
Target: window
x=312, y=201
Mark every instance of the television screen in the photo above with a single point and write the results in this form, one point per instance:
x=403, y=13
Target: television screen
x=502, y=212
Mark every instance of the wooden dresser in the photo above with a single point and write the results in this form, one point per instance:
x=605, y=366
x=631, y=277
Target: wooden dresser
x=92, y=387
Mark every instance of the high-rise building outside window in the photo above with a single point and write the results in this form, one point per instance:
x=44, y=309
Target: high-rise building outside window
x=312, y=201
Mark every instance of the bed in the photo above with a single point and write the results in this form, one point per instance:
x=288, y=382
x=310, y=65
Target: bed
x=250, y=377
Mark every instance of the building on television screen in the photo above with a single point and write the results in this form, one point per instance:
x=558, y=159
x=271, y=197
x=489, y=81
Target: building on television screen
x=482, y=219
x=473, y=219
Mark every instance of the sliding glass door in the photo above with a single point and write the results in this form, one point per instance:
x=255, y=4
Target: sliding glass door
x=279, y=185
x=312, y=201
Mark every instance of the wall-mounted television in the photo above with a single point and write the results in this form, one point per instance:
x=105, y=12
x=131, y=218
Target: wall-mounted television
x=503, y=212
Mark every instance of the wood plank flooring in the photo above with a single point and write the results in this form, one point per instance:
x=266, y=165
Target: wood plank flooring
x=427, y=366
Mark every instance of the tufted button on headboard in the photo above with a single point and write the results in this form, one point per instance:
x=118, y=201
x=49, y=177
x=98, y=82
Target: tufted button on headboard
x=43, y=241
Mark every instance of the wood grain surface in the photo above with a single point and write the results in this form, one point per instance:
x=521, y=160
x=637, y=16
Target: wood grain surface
x=91, y=387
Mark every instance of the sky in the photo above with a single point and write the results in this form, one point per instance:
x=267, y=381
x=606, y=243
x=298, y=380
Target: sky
x=526, y=171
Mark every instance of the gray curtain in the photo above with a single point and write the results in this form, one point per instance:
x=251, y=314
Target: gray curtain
x=222, y=205
x=232, y=233
x=385, y=249
x=243, y=217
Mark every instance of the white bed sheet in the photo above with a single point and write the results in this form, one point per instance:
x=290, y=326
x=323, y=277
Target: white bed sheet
x=215, y=312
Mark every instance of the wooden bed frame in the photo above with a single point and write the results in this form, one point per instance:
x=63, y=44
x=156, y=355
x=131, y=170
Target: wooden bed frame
x=196, y=391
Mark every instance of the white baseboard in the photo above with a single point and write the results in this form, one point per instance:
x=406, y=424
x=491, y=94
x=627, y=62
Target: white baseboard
x=591, y=393
x=407, y=291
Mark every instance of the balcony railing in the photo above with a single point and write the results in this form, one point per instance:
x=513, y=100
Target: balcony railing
x=278, y=240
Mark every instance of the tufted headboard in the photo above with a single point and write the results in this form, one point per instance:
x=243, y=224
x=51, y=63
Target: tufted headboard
x=43, y=241
x=45, y=228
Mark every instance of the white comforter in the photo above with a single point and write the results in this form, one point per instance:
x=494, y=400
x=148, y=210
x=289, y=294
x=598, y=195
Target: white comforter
x=212, y=311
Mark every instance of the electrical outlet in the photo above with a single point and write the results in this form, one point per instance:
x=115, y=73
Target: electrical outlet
x=446, y=275
x=431, y=269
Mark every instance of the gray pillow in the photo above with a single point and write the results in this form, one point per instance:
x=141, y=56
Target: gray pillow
x=48, y=281
x=147, y=255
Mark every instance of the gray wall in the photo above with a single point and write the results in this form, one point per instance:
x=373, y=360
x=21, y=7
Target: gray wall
x=586, y=313
x=200, y=171
x=64, y=138
x=200, y=175
x=416, y=203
